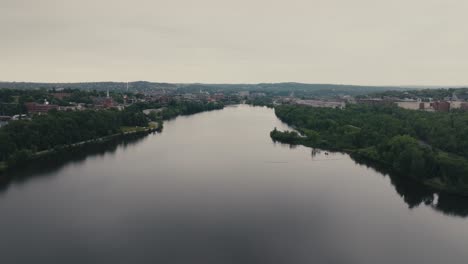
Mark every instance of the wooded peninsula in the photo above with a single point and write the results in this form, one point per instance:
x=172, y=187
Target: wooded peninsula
x=428, y=147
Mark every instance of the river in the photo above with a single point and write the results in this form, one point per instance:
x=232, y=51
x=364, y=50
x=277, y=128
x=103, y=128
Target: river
x=214, y=188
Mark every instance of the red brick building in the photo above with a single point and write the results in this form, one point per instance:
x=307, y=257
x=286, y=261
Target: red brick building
x=444, y=106
x=108, y=102
x=464, y=106
x=35, y=108
x=441, y=106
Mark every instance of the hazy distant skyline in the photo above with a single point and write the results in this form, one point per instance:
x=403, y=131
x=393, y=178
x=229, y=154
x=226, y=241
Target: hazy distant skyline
x=362, y=42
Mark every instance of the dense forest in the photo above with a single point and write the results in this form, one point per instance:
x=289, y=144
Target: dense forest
x=20, y=140
x=175, y=108
x=428, y=147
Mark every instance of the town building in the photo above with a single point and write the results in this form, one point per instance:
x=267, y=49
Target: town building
x=244, y=93
x=411, y=105
x=156, y=111
x=257, y=94
x=464, y=106
x=20, y=117
x=375, y=101
x=35, y=108
x=4, y=120
x=189, y=96
x=104, y=102
x=108, y=102
x=218, y=96
x=320, y=103
x=78, y=107
x=441, y=106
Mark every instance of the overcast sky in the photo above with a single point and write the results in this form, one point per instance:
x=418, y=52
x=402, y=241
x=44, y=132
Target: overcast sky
x=392, y=42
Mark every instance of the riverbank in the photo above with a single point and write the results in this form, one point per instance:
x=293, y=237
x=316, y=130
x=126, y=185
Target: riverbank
x=22, y=157
x=435, y=183
x=424, y=147
x=368, y=157
x=125, y=132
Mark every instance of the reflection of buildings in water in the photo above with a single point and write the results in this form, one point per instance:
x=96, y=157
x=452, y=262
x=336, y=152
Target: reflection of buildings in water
x=435, y=200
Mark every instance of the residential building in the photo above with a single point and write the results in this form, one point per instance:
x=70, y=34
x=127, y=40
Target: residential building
x=4, y=120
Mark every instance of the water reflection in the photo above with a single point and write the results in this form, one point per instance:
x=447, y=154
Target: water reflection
x=213, y=188
x=415, y=194
x=45, y=166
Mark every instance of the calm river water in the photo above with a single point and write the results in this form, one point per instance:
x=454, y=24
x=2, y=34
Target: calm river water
x=214, y=188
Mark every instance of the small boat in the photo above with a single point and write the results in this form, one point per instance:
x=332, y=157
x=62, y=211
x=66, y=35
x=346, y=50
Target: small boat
x=326, y=153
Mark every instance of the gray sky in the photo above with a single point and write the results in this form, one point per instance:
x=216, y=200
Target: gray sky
x=388, y=42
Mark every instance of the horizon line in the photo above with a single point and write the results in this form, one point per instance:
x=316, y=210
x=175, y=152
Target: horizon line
x=241, y=83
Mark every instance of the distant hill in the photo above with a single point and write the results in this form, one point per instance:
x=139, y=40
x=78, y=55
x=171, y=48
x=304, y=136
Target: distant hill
x=298, y=89
x=139, y=86
x=279, y=89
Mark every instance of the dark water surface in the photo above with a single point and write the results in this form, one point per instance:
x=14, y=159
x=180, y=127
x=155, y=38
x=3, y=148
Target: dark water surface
x=214, y=188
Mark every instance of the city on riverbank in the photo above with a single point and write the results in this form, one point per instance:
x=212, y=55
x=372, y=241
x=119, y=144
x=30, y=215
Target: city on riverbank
x=427, y=125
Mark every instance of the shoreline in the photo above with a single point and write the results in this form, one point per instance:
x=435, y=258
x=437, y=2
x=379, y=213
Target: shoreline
x=434, y=184
x=124, y=133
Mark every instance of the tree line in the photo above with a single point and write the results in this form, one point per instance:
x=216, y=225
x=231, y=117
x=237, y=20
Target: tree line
x=429, y=147
x=20, y=140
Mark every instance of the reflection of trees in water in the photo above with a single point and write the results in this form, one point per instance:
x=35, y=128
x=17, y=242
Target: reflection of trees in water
x=415, y=194
x=314, y=152
x=412, y=192
x=292, y=146
x=452, y=205
x=47, y=164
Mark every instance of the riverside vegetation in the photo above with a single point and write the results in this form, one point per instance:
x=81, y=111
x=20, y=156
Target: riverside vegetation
x=431, y=148
x=24, y=140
